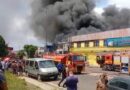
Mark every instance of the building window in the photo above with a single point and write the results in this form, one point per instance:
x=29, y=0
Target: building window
x=78, y=45
x=86, y=44
x=71, y=45
x=96, y=43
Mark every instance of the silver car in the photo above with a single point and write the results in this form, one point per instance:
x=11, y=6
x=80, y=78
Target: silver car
x=41, y=68
x=119, y=83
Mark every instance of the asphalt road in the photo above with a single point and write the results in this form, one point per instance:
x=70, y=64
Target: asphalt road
x=87, y=80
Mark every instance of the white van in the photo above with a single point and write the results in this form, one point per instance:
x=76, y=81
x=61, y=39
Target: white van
x=41, y=68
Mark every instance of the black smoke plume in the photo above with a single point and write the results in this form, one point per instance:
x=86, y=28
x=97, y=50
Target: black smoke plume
x=56, y=20
x=116, y=18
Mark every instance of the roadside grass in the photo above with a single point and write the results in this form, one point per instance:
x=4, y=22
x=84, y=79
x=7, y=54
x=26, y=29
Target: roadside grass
x=15, y=83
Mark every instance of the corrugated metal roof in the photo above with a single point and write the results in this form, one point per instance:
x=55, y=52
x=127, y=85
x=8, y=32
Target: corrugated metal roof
x=102, y=35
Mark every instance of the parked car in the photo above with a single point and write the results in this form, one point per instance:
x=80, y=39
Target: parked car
x=41, y=68
x=119, y=83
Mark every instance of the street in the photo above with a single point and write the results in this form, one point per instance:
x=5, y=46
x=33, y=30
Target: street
x=87, y=80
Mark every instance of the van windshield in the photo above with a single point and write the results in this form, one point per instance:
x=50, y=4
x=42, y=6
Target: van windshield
x=78, y=58
x=46, y=64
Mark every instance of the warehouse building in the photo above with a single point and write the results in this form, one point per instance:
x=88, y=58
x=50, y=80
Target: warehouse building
x=107, y=41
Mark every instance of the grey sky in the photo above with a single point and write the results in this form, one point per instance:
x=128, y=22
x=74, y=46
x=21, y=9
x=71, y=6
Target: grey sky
x=14, y=17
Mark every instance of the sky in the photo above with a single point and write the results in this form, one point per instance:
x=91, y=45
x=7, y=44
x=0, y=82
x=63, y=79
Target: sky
x=104, y=3
x=14, y=20
x=14, y=26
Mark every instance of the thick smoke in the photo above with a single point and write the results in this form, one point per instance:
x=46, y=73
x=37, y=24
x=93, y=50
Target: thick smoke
x=56, y=20
x=59, y=19
x=116, y=18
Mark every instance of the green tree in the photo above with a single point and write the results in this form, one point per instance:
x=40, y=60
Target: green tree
x=30, y=50
x=21, y=54
x=3, y=47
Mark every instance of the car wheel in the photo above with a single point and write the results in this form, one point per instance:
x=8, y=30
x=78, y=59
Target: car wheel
x=27, y=74
x=39, y=78
x=56, y=77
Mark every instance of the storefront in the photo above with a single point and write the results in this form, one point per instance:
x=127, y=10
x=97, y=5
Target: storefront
x=108, y=41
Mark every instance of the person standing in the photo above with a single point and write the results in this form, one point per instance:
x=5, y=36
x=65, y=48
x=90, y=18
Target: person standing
x=71, y=82
x=60, y=67
x=14, y=67
x=3, y=65
x=3, y=83
x=102, y=82
x=63, y=74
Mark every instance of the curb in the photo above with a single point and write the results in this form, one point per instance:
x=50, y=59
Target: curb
x=42, y=85
x=54, y=85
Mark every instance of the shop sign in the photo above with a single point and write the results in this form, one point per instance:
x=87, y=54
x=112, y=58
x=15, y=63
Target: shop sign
x=118, y=42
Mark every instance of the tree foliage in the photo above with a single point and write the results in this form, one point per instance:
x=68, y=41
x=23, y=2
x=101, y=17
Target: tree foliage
x=21, y=54
x=3, y=47
x=30, y=50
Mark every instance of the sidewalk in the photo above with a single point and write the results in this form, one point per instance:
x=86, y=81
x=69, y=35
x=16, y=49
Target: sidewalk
x=43, y=85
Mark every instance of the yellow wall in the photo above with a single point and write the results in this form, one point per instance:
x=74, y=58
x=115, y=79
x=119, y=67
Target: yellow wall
x=91, y=44
x=91, y=52
x=92, y=59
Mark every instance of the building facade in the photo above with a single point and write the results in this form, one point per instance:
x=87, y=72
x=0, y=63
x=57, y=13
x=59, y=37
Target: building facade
x=107, y=41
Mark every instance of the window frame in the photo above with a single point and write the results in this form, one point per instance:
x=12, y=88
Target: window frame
x=31, y=63
x=36, y=64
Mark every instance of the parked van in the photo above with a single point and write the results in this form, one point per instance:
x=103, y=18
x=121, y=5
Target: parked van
x=41, y=68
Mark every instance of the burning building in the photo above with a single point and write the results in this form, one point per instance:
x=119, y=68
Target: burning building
x=57, y=20
x=108, y=41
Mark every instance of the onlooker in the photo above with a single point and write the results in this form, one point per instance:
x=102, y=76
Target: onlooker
x=60, y=67
x=19, y=68
x=0, y=66
x=3, y=84
x=3, y=65
x=71, y=82
x=14, y=67
x=63, y=74
x=102, y=82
